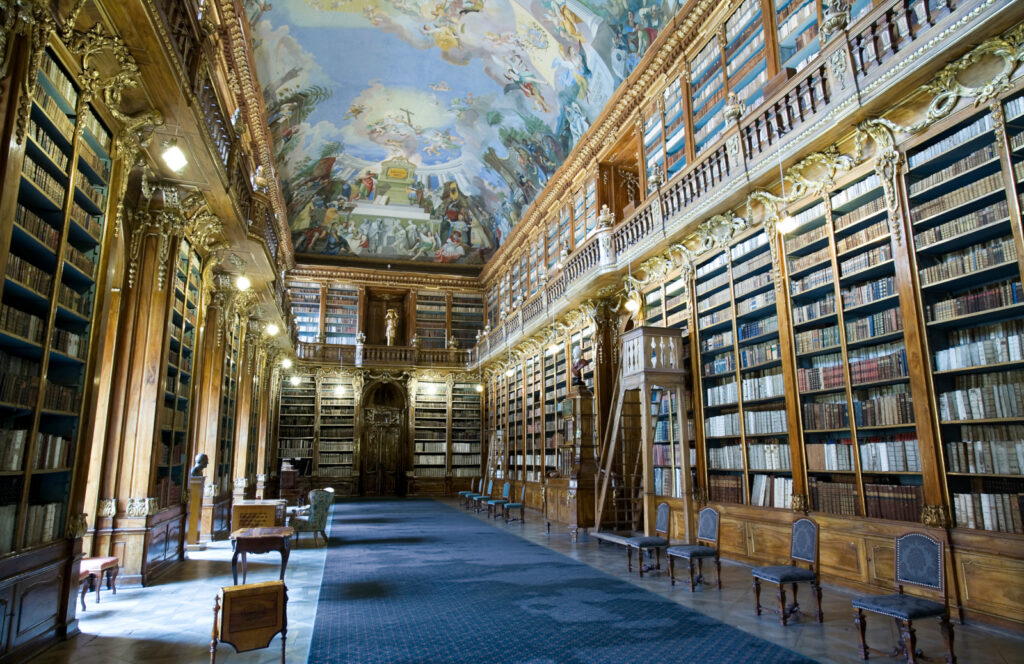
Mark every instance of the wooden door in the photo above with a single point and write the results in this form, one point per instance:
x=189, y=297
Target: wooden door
x=384, y=454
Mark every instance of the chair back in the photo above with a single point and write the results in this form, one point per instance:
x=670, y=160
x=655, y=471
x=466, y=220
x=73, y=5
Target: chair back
x=919, y=562
x=707, y=526
x=490, y=487
x=804, y=543
x=522, y=494
x=319, y=507
x=661, y=520
x=506, y=491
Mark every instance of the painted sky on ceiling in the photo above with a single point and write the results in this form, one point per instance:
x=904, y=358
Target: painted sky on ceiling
x=422, y=129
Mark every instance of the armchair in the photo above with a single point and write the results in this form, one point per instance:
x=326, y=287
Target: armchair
x=315, y=520
x=803, y=548
x=706, y=547
x=918, y=563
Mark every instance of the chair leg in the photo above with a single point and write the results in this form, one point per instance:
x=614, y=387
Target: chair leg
x=672, y=570
x=522, y=514
x=98, y=580
x=757, y=596
x=781, y=594
x=946, y=627
x=816, y=587
x=909, y=636
x=691, y=574
x=629, y=559
x=718, y=571
x=640, y=561
x=657, y=558
x=861, y=625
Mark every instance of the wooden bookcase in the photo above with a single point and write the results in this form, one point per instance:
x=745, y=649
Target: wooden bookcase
x=432, y=319
x=335, y=441
x=467, y=318
x=341, y=315
x=430, y=424
x=466, y=432
x=297, y=421
x=305, y=310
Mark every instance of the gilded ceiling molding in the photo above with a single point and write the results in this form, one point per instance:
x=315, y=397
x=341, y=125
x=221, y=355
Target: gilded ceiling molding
x=34, y=19
x=371, y=277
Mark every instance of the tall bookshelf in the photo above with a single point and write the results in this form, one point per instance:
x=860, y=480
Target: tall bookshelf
x=654, y=141
x=707, y=95
x=172, y=445
x=465, y=430
x=796, y=24
x=467, y=318
x=746, y=65
x=297, y=420
x=49, y=288
x=852, y=372
x=742, y=392
x=967, y=240
x=228, y=405
x=534, y=418
x=305, y=310
x=341, y=315
x=515, y=426
x=554, y=392
x=335, y=427
x=431, y=319
x=430, y=428
x=674, y=118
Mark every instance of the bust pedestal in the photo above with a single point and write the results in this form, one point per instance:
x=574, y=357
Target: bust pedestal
x=195, y=513
x=570, y=498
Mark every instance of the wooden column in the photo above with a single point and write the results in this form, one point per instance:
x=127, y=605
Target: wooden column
x=128, y=518
x=241, y=479
x=208, y=394
x=263, y=452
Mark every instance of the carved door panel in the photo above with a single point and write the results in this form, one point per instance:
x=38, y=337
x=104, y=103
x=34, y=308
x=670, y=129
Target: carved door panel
x=383, y=471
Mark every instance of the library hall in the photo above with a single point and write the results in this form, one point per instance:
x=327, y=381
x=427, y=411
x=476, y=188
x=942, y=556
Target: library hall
x=573, y=332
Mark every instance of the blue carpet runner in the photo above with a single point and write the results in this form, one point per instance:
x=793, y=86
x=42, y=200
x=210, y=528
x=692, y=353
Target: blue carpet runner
x=417, y=581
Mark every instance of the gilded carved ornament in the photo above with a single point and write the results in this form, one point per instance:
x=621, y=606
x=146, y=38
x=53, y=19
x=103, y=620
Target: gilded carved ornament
x=835, y=17
x=34, y=19
x=935, y=516
x=107, y=507
x=800, y=503
x=77, y=526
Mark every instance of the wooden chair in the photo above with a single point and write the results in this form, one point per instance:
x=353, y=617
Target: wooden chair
x=314, y=521
x=102, y=566
x=495, y=504
x=521, y=506
x=706, y=547
x=473, y=486
x=645, y=543
x=919, y=563
x=479, y=501
x=84, y=580
x=803, y=548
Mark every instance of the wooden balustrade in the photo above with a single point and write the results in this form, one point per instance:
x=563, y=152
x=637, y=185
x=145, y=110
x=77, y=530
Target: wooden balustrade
x=795, y=107
x=582, y=261
x=889, y=30
x=636, y=227
x=695, y=183
x=652, y=349
x=393, y=356
x=533, y=308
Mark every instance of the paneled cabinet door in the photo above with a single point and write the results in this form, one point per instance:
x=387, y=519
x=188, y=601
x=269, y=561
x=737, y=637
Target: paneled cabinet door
x=6, y=593
x=37, y=602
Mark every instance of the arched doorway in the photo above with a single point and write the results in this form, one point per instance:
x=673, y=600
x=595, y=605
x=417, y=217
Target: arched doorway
x=383, y=449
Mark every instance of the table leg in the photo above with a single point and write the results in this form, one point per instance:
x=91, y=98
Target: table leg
x=285, y=552
x=245, y=567
x=234, y=567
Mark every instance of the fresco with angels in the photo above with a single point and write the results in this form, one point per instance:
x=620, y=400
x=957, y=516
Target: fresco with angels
x=421, y=130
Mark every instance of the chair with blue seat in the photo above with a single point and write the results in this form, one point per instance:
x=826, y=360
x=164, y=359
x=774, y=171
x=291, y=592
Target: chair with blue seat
x=521, y=506
x=706, y=547
x=647, y=543
x=919, y=563
x=494, y=505
x=479, y=501
x=803, y=548
x=470, y=500
x=471, y=490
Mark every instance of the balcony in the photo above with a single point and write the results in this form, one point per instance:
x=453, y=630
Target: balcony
x=386, y=357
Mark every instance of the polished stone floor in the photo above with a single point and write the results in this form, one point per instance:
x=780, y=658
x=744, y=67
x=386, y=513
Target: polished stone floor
x=171, y=621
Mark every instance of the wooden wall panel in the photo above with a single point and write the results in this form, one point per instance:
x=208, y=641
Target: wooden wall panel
x=768, y=543
x=733, y=537
x=881, y=562
x=843, y=556
x=991, y=584
x=37, y=601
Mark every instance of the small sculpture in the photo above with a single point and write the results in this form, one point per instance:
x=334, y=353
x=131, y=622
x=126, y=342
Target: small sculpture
x=579, y=365
x=201, y=462
x=391, y=326
x=453, y=342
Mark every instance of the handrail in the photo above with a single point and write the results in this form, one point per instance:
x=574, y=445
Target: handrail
x=393, y=356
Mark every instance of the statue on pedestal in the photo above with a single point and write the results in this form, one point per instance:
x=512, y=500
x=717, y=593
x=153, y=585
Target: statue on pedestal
x=579, y=365
x=198, y=470
x=391, y=326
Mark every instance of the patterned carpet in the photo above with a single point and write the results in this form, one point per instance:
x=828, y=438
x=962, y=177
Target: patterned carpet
x=417, y=581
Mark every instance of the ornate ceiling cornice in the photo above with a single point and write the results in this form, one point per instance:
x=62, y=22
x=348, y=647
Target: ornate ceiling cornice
x=373, y=277
x=238, y=46
x=662, y=57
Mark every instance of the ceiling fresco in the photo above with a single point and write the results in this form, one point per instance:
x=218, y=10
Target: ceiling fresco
x=421, y=130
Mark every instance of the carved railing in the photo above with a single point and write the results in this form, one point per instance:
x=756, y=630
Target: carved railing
x=890, y=30
x=213, y=119
x=183, y=29
x=513, y=323
x=695, y=183
x=533, y=308
x=652, y=349
x=582, y=261
x=556, y=287
x=636, y=227
x=391, y=356
x=792, y=109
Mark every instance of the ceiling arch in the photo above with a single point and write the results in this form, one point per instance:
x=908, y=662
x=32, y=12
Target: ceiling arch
x=421, y=130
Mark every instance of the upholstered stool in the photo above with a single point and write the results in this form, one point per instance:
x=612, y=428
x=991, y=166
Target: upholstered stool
x=83, y=584
x=99, y=566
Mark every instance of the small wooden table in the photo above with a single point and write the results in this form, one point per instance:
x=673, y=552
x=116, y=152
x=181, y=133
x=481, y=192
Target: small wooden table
x=260, y=540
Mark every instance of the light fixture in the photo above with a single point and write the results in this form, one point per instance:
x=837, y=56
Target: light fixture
x=787, y=224
x=511, y=372
x=632, y=306
x=286, y=363
x=553, y=348
x=479, y=387
x=173, y=156
x=340, y=389
x=242, y=282
x=272, y=329
x=294, y=380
